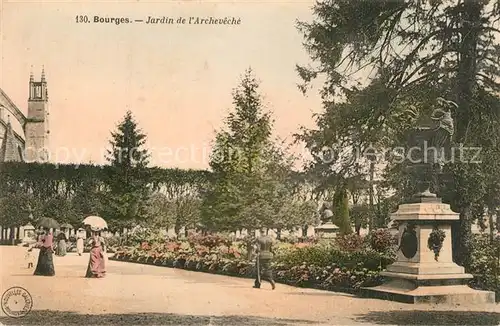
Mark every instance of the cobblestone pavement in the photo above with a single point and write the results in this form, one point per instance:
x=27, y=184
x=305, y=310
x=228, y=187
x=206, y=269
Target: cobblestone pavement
x=137, y=294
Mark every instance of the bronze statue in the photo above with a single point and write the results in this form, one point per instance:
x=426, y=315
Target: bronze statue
x=429, y=160
x=443, y=132
x=326, y=213
x=444, y=129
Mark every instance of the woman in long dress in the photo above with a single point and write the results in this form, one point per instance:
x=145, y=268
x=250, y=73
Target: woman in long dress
x=45, y=264
x=96, y=267
x=61, y=245
x=79, y=245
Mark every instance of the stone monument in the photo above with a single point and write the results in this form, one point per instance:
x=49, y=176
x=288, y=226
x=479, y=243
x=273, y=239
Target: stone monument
x=327, y=229
x=424, y=271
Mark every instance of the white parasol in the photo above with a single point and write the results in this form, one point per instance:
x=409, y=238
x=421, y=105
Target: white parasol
x=96, y=223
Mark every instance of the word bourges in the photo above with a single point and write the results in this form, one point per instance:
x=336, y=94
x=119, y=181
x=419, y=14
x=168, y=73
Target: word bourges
x=84, y=19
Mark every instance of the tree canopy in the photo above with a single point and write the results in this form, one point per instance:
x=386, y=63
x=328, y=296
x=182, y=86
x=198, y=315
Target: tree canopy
x=384, y=63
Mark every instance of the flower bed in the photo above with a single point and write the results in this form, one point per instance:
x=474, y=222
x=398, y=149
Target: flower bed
x=315, y=265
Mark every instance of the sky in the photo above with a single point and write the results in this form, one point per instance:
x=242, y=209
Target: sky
x=176, y=79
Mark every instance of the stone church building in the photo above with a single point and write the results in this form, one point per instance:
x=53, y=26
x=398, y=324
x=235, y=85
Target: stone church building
x=25, y=137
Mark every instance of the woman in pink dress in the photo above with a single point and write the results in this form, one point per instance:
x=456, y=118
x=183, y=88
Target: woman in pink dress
x=96, y=267
x=45, y=265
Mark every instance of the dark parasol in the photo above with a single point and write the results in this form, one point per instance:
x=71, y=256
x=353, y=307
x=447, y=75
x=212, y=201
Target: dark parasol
x=48, y=223
x=67, y=226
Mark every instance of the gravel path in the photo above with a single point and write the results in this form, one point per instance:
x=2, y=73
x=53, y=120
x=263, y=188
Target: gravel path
x=134, y=294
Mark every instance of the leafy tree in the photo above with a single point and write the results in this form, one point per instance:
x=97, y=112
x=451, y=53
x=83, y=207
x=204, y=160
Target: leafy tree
x=88, y=198
x=61, y=210
x=413, y=51
x=160, y=211
x=127, y=179
x=182, y=201
x=295, y=213
x=14, y=211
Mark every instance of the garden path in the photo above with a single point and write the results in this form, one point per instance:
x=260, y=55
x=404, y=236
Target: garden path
x=136, y=294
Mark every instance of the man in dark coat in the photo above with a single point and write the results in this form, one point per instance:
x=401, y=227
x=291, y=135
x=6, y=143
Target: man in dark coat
x=264, y=250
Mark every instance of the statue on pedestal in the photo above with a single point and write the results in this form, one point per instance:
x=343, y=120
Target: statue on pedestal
x=424, y=270
x=444, y=129
x=327, y=227
x=433, y=143
x=326, y=214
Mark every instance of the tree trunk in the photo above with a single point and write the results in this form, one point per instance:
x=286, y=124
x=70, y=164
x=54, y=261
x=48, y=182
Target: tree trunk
x=370, y=198
x=249, y=247
x=466, y=79
x=12, y=235
x=304, y=230
x=463, y=240
x=278, y=234
x=491, y=224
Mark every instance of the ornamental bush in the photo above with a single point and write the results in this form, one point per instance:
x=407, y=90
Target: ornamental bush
x=485, y=263
x=349, y=242
x=381, y=240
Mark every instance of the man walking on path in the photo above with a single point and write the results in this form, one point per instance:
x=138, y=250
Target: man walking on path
x=264, y=252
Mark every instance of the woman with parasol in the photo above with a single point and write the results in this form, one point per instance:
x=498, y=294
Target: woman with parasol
x=45, y=264
x=97, y=263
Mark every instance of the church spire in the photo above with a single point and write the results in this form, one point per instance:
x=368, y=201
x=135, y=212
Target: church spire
x=43, y=74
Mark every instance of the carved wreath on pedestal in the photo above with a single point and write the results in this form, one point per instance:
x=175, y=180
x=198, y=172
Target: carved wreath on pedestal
x=435, y=241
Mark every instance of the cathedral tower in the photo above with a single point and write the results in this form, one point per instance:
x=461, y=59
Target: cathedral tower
x=36, y=128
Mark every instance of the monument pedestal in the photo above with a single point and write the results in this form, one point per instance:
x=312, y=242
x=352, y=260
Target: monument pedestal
x=424, y=271
x=326, y=230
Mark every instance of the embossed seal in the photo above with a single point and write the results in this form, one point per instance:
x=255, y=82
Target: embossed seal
x=16, y=302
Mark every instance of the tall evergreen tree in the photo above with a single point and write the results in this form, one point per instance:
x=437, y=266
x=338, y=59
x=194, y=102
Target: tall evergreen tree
x=128, y=178
x=249, y=177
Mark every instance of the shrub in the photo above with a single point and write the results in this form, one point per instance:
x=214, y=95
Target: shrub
x=349, y=242
x=311, y=255
x=485, y=263
x=381, y=240
x=141, y=235
x=113, y=241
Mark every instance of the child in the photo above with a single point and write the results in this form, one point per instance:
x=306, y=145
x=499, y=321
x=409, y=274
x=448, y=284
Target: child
x=29, y=257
